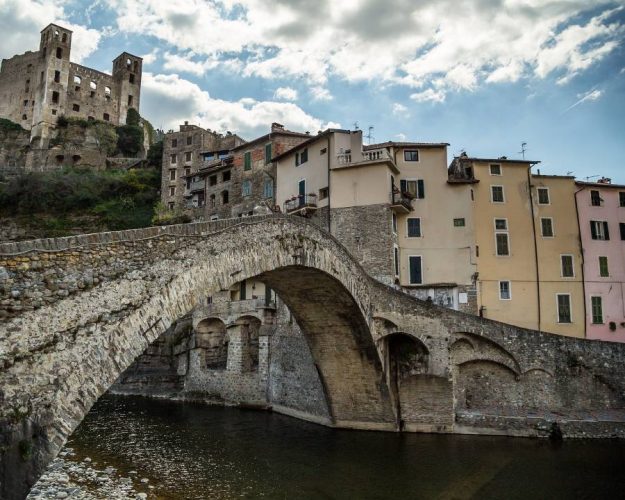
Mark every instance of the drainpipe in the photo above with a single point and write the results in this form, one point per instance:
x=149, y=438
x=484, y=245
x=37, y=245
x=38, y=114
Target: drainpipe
x=529, y=185
x=329, y=190
x=581, y=251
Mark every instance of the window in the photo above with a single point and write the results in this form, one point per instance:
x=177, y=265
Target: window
x=172, y=175
x=603, y=267
x=416, y=188
x=57, y=76
x=502, y=244
x=621, y=226
x=187, y=171
x=211, y=201
x=495, y=169
x=546, y=227
x=172, y=190
x=268, y=189
x=59, y=53
x=225, y=198
x=621, y=198
x=174, y=143
x=323, y=151
x=566, y=266
x=597, y=310
x=413, y=227
x=93, y=85
x=323, y=193
x=64, y=38
x=564, y=307
x=55, y=97
x=225, y=177
x=131, y=78
x=595, y=198
x=496, y=194
x=27, y=86
x=416, y=276
x=411, y=155
x=212, y=180
x=396, y=260
x=174, y=159
x=129, y=100
x=75, y=107
x=267, y=153
x=171, y=205
x=501, y=224
x=246, y=188
x=223, y=154
x=504, y=290
x=187, y=156
x=189, y=140
x=106, y=117
x=247, y=161
x=26, y=103
x=301, y=157
x=394, y=222
x=77, y=80
x=92, y=93
x=459, y=222
x=24, y=117
x=543, y=196
x=599, y=230
x=208, y=156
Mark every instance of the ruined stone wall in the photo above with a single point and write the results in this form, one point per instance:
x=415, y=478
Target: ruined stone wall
x=85, y=101
x=14, y=149
x=19, y=77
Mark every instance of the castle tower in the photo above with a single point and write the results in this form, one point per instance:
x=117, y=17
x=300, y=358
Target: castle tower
x=127, y=77
x=51, y=80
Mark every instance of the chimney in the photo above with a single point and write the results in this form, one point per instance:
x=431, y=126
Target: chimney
x=276, y=127
x=186, y=122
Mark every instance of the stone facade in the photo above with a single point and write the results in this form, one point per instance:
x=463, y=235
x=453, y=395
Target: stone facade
x=81, y=309
x=38, y=87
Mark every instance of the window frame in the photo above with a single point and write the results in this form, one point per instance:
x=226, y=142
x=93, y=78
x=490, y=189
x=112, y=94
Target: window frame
x=415, y=256
x=246, y=188
x=592, y=310
x=459, y=222
x=247, y=161
x=599, y=200
x=601, y=228
x=509, y=289
x=570, y=315
x=490, y=169
x=396, y=267
x=416, y=151
x=268, y=147
x=562, y=275
x=408, y=219
x=621, y=198
x=503, y=193
x=544, y=190
x=603, y=259
x=542, y=228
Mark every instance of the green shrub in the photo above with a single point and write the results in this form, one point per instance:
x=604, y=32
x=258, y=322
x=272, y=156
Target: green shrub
x=155, y=155
x=129, y=140
x=9, y=125
x=133, y=117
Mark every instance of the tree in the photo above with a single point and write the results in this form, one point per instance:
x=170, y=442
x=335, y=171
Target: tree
x=155, y=155
x=130, y=140
x=105, y=138
x=133, y=117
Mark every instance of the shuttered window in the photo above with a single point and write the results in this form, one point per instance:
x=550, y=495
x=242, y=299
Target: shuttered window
x=416, y=277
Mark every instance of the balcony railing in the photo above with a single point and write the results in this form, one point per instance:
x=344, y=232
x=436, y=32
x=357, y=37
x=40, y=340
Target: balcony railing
x=376, y=154
x=303, y=203
x=401, y=202
x=344, y=158
x=194, y=187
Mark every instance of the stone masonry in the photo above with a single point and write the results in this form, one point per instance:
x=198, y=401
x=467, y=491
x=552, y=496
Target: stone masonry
x=77, y=312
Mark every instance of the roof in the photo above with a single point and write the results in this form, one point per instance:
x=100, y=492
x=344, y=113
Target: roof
x=56, y=26
x=600, y=185
x=494, y=160
x=312, y=139
x=406, y=145
x=268, y=136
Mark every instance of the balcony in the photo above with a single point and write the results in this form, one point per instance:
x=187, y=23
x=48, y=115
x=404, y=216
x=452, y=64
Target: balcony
x=194, y=187
x=350, y=158
x=401, y=203
x=304, y=205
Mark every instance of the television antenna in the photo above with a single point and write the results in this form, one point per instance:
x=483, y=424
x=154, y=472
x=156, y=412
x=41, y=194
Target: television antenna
x=591, y=177
x=369, y=135
x=523, y=149
x=356, y=127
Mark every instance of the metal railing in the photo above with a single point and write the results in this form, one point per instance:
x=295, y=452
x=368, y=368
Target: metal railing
x=401, y=199
x=299, y=202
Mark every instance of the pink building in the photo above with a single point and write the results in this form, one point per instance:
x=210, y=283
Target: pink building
x=601, y=217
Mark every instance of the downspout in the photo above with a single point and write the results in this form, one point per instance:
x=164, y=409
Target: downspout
x=529, y=185
x=329, y=190
x=581, y=251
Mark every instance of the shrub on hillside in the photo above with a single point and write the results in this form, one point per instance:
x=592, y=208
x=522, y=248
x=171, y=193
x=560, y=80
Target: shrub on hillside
x=129, y=140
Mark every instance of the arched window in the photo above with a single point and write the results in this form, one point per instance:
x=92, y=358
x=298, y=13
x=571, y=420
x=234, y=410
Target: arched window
x=77, y=80
x=93, y=85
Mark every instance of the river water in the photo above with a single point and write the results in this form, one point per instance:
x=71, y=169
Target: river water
x=190, y=451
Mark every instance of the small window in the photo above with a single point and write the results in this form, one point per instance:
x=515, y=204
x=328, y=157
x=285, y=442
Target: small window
x=603, y=267
x=187, y=156
x=247, y=160
x=301, y=157
x=225, y=198
x=323, y=193
x=75, y=107
x=546, y=227
x=416, y=274
x=246, y=188
x=415, y=188
x=496, y=194
x=26, y=103
x=55, y=97
x=106, y=117
x=495, y=169
x=268, y=189
x=502, y=243
x=107, y=92
x=130, y=100
x=323, y=151
x=24, y=117
x=267, y=153
x=411, y=155
x=212, y=180
x=77, y=80
x=595, y=198
x=394, y=222
x=172, y=190
x=566, y=265
x=189, y=140
x=27, y=86
x=64, y=38
x=131, y=78
x=173, y=159
x=128, y=63
x=187, y=171
x=225, y=177
x=174, y=143
x=504, y=290
x=57, y=77
x=564, y=308
x=172, y=175
x=596, y=310
x=211, y=201
x=93, y=85
x=396, y=260
x=59, y=53
x=543, y=196
x=171, y=205
x=92, y=93
x=501, y=224
x=54, y=111
x=459, y=222
x=599, y=230
x=621, y=198
x=413, y=227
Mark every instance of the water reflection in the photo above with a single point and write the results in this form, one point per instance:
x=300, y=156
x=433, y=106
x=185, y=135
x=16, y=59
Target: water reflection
x=197, y=451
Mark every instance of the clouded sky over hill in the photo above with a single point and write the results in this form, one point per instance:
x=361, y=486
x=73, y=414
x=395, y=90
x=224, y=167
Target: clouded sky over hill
x=483, y=75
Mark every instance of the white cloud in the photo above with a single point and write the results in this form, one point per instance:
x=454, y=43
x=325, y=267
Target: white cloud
x=591, y=95
x=428, y=95
x=150, y=57
x=169, y=100
x=320, y=94
x=400, y=137
x=400, y=109
x=285, y=94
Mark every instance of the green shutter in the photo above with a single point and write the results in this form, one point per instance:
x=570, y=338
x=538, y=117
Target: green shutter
x=267, y=153
x=247, y=161
x=420, y=189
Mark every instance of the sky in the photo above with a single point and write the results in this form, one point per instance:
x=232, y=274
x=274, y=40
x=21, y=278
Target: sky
x=482, y=75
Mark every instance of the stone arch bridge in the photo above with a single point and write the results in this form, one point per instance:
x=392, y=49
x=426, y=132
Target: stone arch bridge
x=75, y=312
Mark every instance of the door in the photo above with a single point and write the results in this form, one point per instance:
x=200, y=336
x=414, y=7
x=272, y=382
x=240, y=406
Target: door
x=302, y=192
